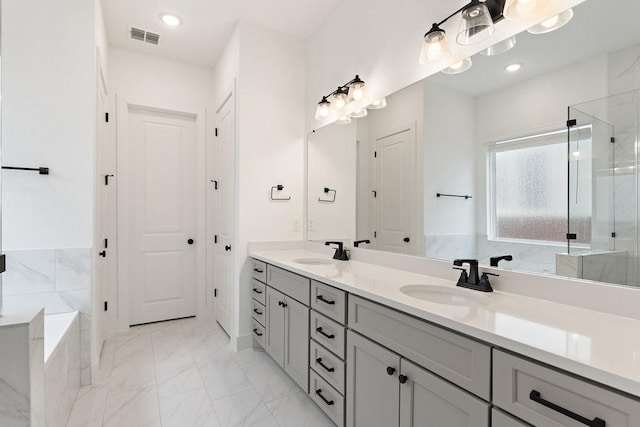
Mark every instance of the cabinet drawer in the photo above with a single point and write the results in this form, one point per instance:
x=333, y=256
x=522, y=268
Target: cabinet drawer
x=258, y=312
x=327, y=398
x=500, y=419
x=290, y=284
x=327, y=332
x=258, y=291
x=327, y=365
x=330, y=301
x=530, y=391
x=462, y=361
x=259, y=271
x=258, y=332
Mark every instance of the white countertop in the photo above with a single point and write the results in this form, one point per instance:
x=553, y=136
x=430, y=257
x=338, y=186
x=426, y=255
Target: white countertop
x=602, y=347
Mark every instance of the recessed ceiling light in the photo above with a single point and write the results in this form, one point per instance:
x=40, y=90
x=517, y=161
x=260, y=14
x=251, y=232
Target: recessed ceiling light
x=513, y=67
x=170, y=19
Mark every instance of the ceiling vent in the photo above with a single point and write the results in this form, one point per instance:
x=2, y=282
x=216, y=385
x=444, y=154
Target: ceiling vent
x=144, y=35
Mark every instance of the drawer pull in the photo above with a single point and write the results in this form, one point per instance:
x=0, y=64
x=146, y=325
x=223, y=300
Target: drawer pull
x=324, y=399
x=402, y=378
x=258, y=312
x=596, y=422
x=325, y=367
x=257, y=291
x=282, y=304
x=255, y=331
x=324, y=334
x=391, y=370
x=257, y=270
x=321, y=298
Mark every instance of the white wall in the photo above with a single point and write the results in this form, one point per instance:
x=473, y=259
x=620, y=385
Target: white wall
x=268, y=70
x=48, y=119
x=531, y=106
x=380, y=40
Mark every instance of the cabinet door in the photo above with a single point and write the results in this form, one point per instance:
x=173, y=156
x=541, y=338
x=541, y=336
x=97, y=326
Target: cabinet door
x=427, y=400
x=296, y=343
x=274, y=340
x=373, y=397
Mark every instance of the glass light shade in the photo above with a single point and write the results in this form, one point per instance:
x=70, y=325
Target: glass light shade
x=516, y=9
x=344, y=120
x=378, y=104
x=458, y=67
x=323, y=110
x=434, y=46
x=340, y=98
x=357, y=90
x=359, y=113
x=500, y=47
x=476, y=25
x=553, y=23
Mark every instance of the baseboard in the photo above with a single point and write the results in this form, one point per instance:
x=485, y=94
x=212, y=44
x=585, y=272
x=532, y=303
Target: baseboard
x=243, y=342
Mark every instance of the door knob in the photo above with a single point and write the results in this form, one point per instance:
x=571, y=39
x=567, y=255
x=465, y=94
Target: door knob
x=406, y=239
x=403, y=379
x=103, y=254
x=190, y=241
x=227, y=248
x=391, y=370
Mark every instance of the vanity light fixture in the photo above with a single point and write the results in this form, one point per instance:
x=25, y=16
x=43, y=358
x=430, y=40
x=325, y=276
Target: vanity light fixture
x=378, y=104
x=553, y=23
x=170, y=19
x=343, y=120
x=359, y=113
x=517, y=9
x=434, y=45
x=500, y=47
x=458, y=67
x=354, y=91
x=512, y=68
x=476, y=25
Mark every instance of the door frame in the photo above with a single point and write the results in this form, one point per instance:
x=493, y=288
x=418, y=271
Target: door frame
x=120, y=296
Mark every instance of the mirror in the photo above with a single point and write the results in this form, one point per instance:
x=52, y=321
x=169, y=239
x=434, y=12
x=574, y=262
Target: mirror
x=475, y=164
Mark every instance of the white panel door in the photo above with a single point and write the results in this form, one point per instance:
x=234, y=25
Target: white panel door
x=225, y=182
x=395, y=210
x=162, y=180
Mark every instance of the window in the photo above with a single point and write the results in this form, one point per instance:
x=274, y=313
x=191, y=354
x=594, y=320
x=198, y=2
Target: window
x=528, y=192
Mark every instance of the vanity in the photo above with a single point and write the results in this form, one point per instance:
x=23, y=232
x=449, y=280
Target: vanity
x=377, y=346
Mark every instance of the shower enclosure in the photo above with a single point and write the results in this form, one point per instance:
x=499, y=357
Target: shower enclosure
x=602, y=188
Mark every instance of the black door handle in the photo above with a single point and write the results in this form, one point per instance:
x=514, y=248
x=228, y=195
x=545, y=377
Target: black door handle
x=321, y=298
x=227, y=248
x=537, y=397
x=103, y=254
x=324, y=399
x=255, y=331
x=406, y=240
x=190, y=241
x=390, y=370
x=325, y=367
x=324, y=334
x=402, y=378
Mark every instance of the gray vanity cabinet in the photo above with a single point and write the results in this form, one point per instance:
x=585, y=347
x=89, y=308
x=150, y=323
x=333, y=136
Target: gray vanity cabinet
x=373, y=395
x=287, y=335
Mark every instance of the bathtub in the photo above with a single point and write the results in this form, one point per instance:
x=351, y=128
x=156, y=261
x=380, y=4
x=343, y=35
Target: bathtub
x=61, y=366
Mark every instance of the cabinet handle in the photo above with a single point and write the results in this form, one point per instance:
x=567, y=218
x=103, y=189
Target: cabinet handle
x=257, y=270
x=402, y=378
x=257, y=291
x=390, y=370
x=325, y=367
x=321, y=298
x=324, y=399
x=255, y=331
x=259, y=313
x=282, y=304
x=324, y=334
x=596, y=422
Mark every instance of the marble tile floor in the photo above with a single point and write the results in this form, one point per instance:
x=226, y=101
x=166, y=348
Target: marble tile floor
x=184, y=373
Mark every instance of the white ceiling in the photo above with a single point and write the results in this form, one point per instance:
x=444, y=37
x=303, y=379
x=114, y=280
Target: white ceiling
x=207, y=24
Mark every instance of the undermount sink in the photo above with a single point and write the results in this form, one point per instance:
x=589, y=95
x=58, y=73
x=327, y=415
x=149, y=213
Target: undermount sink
x=313, y=261
x=444, y=295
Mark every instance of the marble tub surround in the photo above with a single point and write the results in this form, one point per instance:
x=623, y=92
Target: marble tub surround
x=569, y=337
x=62, y=366
x=605, y=266
x=22, y=381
